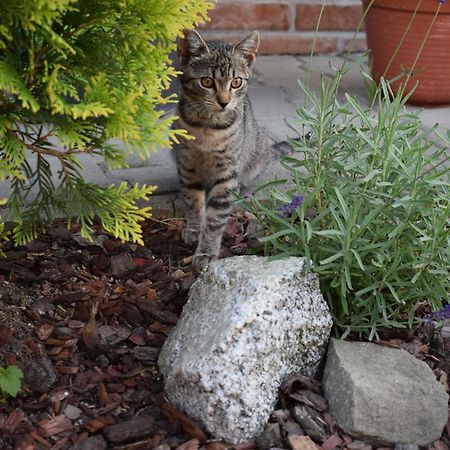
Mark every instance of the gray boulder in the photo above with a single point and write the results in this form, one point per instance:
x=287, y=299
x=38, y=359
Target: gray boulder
x=249, y=324
x=383, y=395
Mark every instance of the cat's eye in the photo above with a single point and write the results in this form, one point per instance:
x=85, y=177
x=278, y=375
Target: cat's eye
x=236, y=83
x=207, y=82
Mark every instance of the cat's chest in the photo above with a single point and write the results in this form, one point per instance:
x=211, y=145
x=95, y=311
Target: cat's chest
x=210, y=140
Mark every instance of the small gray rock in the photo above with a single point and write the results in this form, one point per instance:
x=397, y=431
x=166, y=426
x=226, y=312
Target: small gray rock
x=249, y=324
x=72, y=412
x=39, y=374
x=383, y=395
x=91, y=443
x=406, y=447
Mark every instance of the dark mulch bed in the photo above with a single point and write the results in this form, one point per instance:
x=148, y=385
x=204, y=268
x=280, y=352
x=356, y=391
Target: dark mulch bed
x=86, y=320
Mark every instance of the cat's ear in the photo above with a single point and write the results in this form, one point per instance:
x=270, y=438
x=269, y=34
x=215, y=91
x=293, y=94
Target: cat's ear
x=248, y=47
x=192, y=44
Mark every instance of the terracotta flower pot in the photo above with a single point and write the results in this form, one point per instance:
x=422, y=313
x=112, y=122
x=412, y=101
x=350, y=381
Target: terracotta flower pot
x=386, y=22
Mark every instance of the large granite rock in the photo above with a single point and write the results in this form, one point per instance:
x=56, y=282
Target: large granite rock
x=249, y=323
x=383, y=395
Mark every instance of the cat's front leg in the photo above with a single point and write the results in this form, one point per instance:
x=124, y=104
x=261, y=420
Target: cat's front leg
x=219, y=201
x=194, y=198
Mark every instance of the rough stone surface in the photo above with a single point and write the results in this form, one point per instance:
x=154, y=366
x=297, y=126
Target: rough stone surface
x=249, y=323
x=383, y=395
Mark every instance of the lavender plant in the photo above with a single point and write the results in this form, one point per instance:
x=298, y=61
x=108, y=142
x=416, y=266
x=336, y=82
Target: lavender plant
x=374, y=215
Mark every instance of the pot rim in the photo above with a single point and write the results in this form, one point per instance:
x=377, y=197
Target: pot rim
x=427, y=6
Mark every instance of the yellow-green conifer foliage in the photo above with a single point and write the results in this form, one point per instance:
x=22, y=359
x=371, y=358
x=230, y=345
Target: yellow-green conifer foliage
x=75, y=77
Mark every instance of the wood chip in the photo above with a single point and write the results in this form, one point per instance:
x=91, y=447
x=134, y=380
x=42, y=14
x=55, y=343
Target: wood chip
x=187, y=261
x=188, y=425
x=129, y=430
x=54, y=426
x=310, y=398
x=332, y=442
x=301, y=382
x=97, y=424
x=146, y=354
x=216, y=445
x=68, y=370
x=311, y=422
x=440, y=445
x=246, y=446
x=40, y=439
x=12, y=421
x=359, y=445
x=45, y=331
x=193, y=444
x=302, y=443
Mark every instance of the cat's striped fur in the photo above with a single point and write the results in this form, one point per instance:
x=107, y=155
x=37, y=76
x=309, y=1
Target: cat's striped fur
x=230, y=149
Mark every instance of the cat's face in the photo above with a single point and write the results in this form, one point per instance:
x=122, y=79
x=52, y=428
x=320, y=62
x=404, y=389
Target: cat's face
x=215, y=74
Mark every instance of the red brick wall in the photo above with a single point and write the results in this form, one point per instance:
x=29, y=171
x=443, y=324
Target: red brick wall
x=288, y=26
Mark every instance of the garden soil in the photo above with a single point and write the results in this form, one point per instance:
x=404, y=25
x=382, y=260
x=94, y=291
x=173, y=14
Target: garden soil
x=86, y=320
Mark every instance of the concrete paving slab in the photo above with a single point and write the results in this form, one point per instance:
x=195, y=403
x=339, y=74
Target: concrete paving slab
x=434, y=115
x=352, y=82
x=274, y=93
x=165, y=177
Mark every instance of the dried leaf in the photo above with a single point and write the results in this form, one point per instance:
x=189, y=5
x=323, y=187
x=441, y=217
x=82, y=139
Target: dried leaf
x=102, y=394
x=90, y=332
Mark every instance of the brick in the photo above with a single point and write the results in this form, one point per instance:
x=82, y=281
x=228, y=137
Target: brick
x=249, y=16
x=360, y=45
x=293, y=44
x=279, y=43
x=334, y=17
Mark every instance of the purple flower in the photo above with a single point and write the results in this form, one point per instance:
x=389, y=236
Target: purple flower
x=290, y=207
x=441, y=2
x=438, y=315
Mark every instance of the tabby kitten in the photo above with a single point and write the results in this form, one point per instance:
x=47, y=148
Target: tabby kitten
x=230, y=149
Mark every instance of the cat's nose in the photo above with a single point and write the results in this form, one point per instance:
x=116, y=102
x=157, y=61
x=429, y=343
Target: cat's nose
x=223, y=104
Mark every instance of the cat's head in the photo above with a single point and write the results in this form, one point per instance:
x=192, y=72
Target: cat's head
x=215, y=74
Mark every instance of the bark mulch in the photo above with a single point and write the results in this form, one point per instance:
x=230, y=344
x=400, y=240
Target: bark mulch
x=86, y=320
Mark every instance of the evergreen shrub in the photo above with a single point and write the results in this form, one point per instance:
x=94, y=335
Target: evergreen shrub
x=77, y=77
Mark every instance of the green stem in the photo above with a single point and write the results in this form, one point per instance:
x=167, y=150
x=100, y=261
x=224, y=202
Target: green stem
x=400, y=43
x=422, y=45
x=308, y=71
x=358, y=28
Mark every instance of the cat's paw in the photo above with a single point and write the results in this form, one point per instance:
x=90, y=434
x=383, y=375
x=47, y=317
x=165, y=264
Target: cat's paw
x=202, y=260
x=189, y=236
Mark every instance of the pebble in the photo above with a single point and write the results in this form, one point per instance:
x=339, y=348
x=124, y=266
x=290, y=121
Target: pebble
x=72, y=412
